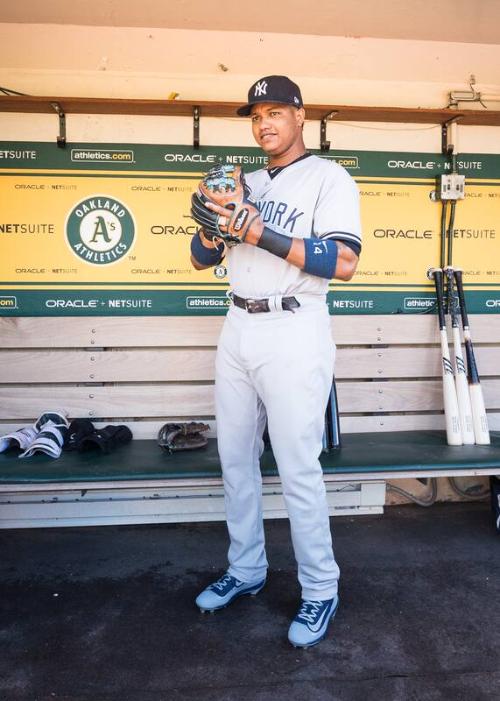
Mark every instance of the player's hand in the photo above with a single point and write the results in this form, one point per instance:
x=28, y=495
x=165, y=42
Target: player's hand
x=208, y=240
x=243, y=221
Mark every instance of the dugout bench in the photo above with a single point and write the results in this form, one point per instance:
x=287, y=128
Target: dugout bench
x=145, y=371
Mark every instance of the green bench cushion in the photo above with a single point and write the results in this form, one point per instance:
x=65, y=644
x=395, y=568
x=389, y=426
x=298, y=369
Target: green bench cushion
x=144, y=460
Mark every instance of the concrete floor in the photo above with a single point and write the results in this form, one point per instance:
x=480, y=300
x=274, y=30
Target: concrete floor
x=107, y=614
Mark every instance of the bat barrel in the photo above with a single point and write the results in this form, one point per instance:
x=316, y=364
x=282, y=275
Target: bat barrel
x=479, y=416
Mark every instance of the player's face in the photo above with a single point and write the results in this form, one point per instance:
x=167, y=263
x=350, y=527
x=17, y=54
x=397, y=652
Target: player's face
x=278, y=128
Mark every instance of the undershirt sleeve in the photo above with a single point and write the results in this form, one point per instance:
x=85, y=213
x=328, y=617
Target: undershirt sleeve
x=353, y=245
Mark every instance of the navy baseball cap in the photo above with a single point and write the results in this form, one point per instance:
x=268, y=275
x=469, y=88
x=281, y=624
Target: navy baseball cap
x=272, y=88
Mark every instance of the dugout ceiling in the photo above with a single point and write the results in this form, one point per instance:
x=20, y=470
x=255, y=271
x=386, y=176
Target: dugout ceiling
x=447, y=21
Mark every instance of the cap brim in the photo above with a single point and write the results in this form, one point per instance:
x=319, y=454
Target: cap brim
x=244, y=111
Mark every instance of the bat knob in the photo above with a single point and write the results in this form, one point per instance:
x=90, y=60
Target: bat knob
x=431, y=272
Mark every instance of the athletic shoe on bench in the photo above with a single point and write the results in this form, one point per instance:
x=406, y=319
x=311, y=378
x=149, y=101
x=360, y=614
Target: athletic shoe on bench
x=78, y=430
x=311, y=622
x=19, y=439
x=56, y=418
x=224, y=591
x=49, y=441
x=24, y=437
x=107, y=438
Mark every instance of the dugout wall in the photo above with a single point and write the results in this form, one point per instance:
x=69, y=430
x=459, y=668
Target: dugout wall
x=135, y=62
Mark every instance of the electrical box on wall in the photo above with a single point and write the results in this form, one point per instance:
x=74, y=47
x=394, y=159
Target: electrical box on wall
x=452, y=187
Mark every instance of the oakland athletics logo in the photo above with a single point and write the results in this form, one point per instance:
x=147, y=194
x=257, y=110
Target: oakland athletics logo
x=220, y=271
x=100, y=230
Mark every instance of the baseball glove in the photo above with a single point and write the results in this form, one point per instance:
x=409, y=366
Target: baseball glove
x=182, y=436
x=224, y=185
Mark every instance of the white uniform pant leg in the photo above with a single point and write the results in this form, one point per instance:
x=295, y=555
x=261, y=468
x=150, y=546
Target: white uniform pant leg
x=294, y=384
x=240, y=424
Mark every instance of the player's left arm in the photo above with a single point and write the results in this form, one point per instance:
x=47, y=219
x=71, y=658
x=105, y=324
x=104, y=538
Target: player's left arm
x=333, y=248
x=326, y=258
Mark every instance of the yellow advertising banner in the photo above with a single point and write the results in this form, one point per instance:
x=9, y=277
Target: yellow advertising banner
x=97, y=229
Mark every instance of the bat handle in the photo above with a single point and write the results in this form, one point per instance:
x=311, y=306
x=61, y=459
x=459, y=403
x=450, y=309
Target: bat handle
x=437, y=274
x=450, y=301
x=450, y=230
x=461, y=299
x=443, y=231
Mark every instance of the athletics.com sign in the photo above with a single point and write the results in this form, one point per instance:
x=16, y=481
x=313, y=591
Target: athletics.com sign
x=214, y=302
x=418, y=303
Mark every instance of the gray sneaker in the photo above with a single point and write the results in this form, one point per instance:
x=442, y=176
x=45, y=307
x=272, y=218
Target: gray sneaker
x=223, y=592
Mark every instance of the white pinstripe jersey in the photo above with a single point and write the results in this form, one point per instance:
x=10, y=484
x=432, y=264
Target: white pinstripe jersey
x=311, y=197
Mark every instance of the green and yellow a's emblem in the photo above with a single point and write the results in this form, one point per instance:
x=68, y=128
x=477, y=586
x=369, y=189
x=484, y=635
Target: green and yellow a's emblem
x=100, y=230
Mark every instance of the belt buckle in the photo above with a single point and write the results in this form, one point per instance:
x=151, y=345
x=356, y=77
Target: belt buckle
x=254, y=306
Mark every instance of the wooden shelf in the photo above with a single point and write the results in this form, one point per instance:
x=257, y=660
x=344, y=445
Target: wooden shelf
x=184, y=108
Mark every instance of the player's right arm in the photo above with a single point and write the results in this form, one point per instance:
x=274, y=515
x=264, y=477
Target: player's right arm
x=205, y=252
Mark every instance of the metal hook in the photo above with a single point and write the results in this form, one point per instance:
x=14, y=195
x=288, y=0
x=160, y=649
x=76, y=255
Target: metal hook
x=61, y=139
x=324, y=144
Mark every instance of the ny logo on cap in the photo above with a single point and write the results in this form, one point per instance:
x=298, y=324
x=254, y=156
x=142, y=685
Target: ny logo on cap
x=260, y=88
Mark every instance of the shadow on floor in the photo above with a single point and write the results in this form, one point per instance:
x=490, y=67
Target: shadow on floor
x=107, y=614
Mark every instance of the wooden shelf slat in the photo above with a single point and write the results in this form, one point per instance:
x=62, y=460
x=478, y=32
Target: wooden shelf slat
x=184, y=108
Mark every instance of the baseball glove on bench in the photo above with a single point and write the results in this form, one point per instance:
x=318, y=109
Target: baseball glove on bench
x=174, y=437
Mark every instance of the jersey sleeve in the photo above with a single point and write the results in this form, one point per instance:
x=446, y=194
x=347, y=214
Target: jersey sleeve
x=337, y=213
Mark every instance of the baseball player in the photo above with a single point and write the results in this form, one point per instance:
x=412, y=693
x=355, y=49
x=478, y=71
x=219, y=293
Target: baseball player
x=299, y=228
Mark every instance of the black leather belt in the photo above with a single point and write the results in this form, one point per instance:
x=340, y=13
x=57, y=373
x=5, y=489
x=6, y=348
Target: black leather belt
x=255, y=306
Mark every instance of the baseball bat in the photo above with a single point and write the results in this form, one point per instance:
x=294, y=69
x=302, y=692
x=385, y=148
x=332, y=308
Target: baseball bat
x=444, y=207
x=461, y=384
x=452, y=418
x=479, y=417
x=331, y=436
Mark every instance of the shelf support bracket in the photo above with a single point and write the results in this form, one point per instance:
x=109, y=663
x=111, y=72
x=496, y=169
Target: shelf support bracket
x=324, y=144
x=446, y=147
x=196, y=126
x=61, y=139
